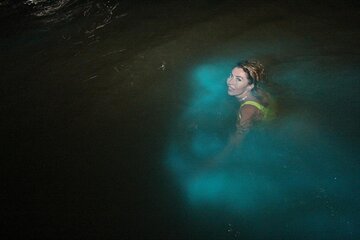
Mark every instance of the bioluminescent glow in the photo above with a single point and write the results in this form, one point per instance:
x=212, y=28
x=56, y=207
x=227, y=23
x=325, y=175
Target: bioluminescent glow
x=291, y=166
x=207, y=126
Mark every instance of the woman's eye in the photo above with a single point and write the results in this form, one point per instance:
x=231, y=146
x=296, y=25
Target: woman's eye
x=239, y=79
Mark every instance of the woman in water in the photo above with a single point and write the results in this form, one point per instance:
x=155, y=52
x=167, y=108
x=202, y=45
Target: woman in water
x=246, y=82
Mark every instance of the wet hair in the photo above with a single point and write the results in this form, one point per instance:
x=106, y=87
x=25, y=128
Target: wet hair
x=254, y=70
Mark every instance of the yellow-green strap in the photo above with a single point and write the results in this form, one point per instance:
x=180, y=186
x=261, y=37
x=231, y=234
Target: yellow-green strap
x=262, y=109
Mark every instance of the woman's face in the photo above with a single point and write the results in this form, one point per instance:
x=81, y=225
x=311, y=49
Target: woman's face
x=238, y=82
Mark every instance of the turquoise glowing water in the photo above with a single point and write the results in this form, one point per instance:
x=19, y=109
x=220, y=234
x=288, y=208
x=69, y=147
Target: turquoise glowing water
x=295, y=175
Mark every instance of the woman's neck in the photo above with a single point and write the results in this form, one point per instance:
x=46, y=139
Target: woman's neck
x=245, y=97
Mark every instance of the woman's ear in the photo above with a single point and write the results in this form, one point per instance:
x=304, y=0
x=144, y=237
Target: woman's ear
x=250, y=86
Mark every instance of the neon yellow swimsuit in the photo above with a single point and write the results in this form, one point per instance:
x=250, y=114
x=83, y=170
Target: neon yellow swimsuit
x=267, y=112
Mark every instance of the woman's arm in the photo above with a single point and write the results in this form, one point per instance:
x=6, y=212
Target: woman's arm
x=248, y=115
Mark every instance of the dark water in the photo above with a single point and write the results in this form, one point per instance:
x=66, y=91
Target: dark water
x=105, y=102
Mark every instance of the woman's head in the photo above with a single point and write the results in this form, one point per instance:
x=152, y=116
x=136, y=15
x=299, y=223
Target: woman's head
x=245, y=78
x=254, y=70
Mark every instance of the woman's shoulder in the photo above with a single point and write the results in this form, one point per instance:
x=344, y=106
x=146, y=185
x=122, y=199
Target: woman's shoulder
x=249, y=110
x=252, y=104
x=258, y=110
